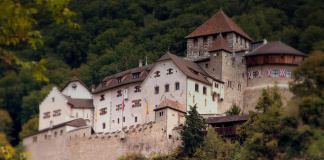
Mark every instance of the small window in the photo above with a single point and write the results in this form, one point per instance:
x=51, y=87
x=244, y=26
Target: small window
x=136, y=103
x=288, y=74
x=206, y=65
x=104, y=125
x=137, y=89
x=169, y=71
x=113, y=121
x=204, y=90
x=61, y=132
x=197, y=87
x=74, y=86
x=255, y=74
x=275, y=73
x=102, y=97
x=47, y=115
x=167, y=88
x=103, y=111
x=239, y=87
x=136, y=75
x=216, y=85
x=157, y=74
x=242, y=75
x=135, y=119
x=119, y=107
x=119, y=93
x=56, y=113
x=157, y=90
x=177, y=86
x=55, y=134
x=161, y=114
x=124, y=119
x=195, y=41
x=119, y=79
x=213, y=97
x=117, y=120
x=53, y=99
x=103, y=84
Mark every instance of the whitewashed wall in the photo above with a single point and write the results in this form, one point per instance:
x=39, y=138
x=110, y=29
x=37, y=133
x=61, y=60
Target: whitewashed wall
x=80, y=92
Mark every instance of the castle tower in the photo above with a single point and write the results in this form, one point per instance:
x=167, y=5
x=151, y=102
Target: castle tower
x=199, y=41
x=267, y=64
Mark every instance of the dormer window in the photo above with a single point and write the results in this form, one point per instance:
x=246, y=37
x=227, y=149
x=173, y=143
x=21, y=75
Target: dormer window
x=157, y=74
x=74, y=86
x=119, y=93
x=136, y=75
x=102, y=97
x=169, y=71
x=103, y=84
x=119, y=79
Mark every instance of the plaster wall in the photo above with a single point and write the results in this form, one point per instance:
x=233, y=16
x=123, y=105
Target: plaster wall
x=80, y=92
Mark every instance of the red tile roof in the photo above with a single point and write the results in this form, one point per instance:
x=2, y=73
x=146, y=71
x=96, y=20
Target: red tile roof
x=220, y=44
x=275, y=48
x=220, y=22
x=166, y=103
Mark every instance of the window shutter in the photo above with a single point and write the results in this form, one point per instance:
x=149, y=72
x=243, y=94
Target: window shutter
x=140, y=89
x=134, y=89
x=167, y=71
x=154, y=74
x=133, y=103
x=116, y=107
x=171, y=71
x=140, y=104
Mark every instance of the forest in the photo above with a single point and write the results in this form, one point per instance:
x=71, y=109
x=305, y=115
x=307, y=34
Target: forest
x=111, y=36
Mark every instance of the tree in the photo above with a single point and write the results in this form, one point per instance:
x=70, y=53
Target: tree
x=190, y=134
x=234, y=110
x=30, y=127
x=6, y=123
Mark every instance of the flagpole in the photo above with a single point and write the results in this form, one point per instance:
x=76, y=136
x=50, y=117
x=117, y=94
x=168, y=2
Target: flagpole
x=122, y=119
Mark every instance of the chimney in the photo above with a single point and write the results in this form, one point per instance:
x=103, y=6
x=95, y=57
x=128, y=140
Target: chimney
x=140, y=63
x=93, y=87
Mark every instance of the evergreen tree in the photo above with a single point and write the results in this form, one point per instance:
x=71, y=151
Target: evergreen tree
x=190, y=134
x=234, y=110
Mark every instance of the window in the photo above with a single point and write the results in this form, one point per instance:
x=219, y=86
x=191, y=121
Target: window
x=136, y=103
x=195, y=41
x=45, y=136
x=102, y=97
x=275, y=73
x=204, y=90
x=74, y=86
x=56, y=113
x=197, y=87
x=137, y=89
x=239, y=87
x=217, y=54
x=177, y=86
x=119, y=79
x=213, y=97
x=161, y=114
x=242, y=75
x=77, y=115
x=169, y=71
x=206, y=65
x=136, y=75
x=288, y=74
x=117, y=120
x=103, y=84
x=104, y=125
x=47, y=115
x=119, y=93
x=124, y=119
x=255, y=74
x=103, y=111
x=34, y=139
x=119, y=107
x=157, y=90
x=53, y=99
x=167, y=88
x=205, y=40
x=55, y=134
x=61, y=132
x=135, y=119
x=157, y=74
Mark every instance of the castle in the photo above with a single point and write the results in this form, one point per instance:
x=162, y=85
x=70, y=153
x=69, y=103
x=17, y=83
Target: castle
x=224, y=66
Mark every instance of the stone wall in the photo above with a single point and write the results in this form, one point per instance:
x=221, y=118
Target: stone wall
x=149, y=139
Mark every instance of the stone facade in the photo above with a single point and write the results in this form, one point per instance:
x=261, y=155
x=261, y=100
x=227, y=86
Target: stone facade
x=149, y=139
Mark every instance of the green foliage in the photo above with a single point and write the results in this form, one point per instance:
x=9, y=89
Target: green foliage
x=133, y=156
x=234, y=110
x=3, y=140
x=30, y=127
x=9, y=153
x=190, y=133
x=6, y=123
